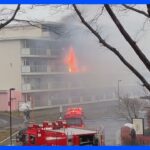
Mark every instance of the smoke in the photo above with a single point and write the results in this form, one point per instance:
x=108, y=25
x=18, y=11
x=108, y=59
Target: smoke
x=103, y=67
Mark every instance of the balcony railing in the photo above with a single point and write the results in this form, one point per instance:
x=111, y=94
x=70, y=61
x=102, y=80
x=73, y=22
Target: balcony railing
x=47, y=86
x=38, y=68
x=28, y=87
x=35, y=52
x=41, y=68
x=34, y=68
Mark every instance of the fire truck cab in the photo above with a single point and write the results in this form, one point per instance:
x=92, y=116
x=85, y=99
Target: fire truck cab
x=74, y=117
x=58, y=134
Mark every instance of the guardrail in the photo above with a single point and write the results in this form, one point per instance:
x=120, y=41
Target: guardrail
x=73, y=104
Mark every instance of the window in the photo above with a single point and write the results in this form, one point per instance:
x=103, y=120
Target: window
x=74, y=121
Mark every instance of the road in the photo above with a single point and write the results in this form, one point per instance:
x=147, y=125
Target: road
x=4, y=121
x=111, y=126
x=98, y=114
x=105, y=114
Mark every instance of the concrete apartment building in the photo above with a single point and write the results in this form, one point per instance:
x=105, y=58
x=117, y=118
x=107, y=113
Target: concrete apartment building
x=32, y=62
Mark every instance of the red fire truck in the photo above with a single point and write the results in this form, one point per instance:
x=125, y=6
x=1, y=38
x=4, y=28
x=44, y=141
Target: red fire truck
x=58, y=134
x=74, y=117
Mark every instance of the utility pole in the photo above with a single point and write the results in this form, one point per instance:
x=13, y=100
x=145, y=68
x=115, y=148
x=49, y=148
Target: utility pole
x=119, y=101
x=119, y=89
x=10, y=117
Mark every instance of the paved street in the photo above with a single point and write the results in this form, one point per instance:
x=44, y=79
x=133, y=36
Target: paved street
x=105, y=114
x=4, y=120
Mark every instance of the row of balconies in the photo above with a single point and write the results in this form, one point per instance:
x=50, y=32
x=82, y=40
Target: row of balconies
x=40, y=68
x=48, y=86
x=37, y=52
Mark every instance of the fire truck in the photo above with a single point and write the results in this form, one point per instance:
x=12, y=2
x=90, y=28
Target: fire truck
x=58, y=133
x=74, y=117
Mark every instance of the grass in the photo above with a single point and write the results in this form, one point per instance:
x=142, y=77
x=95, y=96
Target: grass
x=6, y=133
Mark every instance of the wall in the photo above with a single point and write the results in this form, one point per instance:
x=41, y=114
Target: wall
x=10, y=65
x=24, y=31
x=4, y=100
x=10, y=72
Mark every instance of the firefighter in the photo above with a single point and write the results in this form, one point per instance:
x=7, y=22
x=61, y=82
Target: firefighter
x=26, y=116
x=133, y=136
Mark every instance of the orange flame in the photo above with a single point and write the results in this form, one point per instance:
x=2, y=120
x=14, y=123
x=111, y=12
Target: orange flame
x=71, y=61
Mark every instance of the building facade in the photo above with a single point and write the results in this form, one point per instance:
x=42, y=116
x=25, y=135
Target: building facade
x=32, y=61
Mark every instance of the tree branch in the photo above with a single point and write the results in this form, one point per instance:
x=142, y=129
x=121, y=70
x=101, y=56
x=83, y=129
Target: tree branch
x=114, y=50
x=132, y=43
x=148, y=9
x=136, y=10
x=12, y=18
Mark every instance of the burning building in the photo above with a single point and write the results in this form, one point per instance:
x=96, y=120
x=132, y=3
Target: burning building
x=42, y=67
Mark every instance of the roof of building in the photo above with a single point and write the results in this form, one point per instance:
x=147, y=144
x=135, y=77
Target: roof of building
x=30, y=38
x=34, y=24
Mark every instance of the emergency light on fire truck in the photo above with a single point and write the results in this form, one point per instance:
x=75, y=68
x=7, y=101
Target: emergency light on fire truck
x=75, y=111
x=74, y=117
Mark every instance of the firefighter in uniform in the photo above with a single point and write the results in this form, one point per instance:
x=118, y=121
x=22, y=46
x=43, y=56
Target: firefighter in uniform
x=133, y=136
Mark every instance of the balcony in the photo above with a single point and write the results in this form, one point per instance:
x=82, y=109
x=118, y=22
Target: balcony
x=26, y=87
x=30, y=87
x=37, y=52
x=46, y=87
x=41, y=69
x=34, y=68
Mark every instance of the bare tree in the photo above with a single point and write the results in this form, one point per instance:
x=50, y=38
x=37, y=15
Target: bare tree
x=129, y=108
x=127, y=37
x=148, y=9
x=137, y=10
